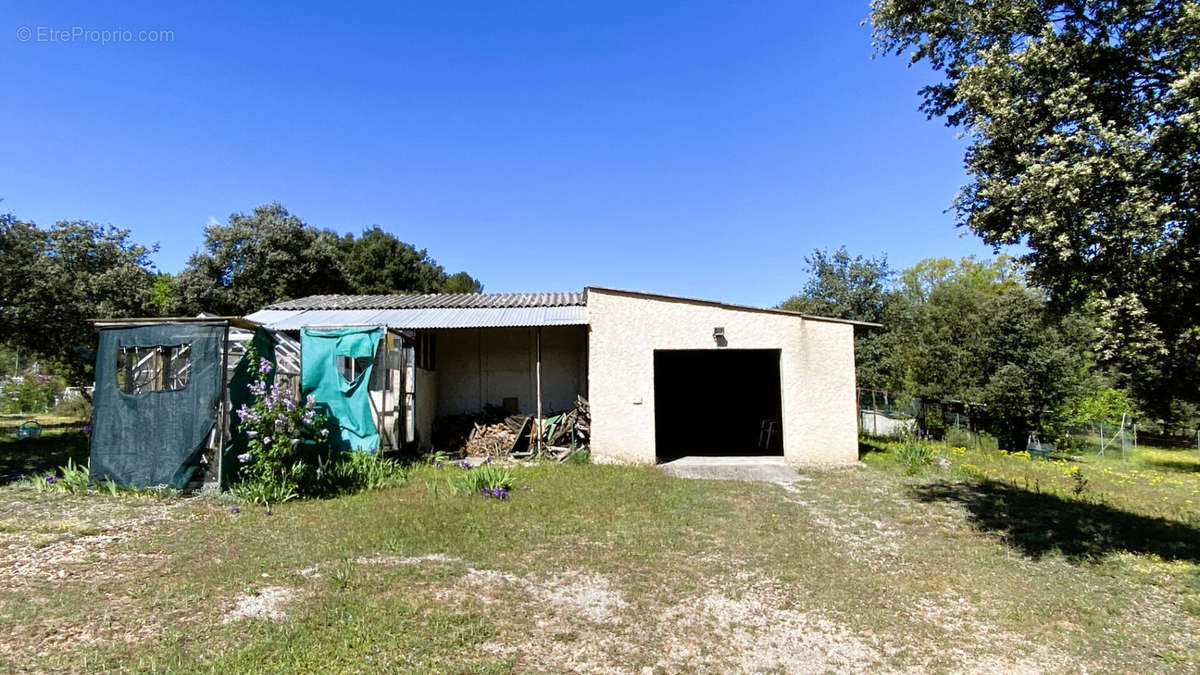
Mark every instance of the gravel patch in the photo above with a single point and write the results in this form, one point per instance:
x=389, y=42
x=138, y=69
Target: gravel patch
x=267, y=603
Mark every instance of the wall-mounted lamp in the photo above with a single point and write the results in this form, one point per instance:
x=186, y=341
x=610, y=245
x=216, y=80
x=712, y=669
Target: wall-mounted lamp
x=719, y=336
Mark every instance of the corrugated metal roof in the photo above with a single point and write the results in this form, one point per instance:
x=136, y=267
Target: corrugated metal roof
x=432, y=301
x=434, y=317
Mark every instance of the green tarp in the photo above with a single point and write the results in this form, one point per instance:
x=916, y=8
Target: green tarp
x=155, y=437
x=244, y=373
x=343, y=400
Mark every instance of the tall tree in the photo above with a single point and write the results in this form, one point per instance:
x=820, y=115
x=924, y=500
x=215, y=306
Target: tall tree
x=855, y=288
x=257, y=259
x=52, y=281
x=378, y=262
x=461, y=282
x=843, y=287
x=1083, y=120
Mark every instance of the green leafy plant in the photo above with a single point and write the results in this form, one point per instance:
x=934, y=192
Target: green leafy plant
x=915, y=456
x=289, y=455
x=288, y=440
x=486, y=479
x=356, y=471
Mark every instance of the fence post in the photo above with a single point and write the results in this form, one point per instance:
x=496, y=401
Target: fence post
x=875, y=415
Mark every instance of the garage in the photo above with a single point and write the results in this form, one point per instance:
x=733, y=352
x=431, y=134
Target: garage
x=717, y=402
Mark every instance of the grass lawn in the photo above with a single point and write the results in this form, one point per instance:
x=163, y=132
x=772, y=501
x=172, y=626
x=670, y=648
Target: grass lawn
x=997, y=563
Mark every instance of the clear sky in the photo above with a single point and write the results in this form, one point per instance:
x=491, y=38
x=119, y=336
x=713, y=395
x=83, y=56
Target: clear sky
x=694, y=148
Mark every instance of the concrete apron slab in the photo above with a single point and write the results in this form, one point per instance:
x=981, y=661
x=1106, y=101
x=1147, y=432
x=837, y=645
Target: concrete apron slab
x=772, y=469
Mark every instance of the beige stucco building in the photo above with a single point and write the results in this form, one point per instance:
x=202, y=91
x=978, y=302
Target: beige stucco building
x=665, y=376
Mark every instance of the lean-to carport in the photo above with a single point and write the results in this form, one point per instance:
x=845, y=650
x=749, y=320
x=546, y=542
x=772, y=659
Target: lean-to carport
x=460, y=353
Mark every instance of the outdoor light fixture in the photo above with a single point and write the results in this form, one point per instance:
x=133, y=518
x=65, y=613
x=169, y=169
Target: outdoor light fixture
x=719, y=333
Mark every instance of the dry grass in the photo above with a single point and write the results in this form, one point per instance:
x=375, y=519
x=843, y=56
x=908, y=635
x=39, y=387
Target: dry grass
x=613, y=569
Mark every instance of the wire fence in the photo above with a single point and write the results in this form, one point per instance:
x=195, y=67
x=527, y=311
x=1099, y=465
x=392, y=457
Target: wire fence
x=888, y=415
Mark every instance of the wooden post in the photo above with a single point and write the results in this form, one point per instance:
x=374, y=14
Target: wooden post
x=223, y=411
x=539, y=390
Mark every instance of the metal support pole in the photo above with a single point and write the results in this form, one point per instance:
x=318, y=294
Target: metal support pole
x=539, y=390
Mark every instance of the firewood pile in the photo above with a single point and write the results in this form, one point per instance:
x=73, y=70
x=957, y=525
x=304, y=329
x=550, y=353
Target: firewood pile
x=572, y=428
x=491, y=432
x=495, y=433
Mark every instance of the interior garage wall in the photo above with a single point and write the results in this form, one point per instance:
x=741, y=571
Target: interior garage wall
x=480, y=366
x=816, y=372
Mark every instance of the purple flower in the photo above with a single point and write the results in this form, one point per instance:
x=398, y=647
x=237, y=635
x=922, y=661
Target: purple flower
x=87, y=428
x=50, y=480
x=487, y=460
x=439, y=466
x=324, y=433
x=486, y=493
x=244, y=457
x=235, y=510
x=264, y=366
x=307, y=418
x=464, y=464
x=269, y=512
x=500, y=493
x=266, y=440
x=258, y=387
x=251, y=433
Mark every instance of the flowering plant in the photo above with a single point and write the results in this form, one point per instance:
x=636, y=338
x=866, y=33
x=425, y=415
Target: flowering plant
x=288, y=439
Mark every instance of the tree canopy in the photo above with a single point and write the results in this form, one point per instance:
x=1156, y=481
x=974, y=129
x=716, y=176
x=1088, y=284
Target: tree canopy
x=378, y=262
x=52, y=281
x=257, y=259
x=1083, y=123
x=271, y=255
x=965, y=330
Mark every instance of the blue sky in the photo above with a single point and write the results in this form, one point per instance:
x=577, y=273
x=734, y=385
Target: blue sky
x=699, y=148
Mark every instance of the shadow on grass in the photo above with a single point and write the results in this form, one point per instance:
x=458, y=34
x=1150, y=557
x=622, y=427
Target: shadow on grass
x=20, y=458
x=1038, y=523
x=1171, y=465
x=867, y=446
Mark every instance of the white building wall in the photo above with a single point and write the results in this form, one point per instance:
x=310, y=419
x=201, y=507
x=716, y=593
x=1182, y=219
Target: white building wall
x=816, y=372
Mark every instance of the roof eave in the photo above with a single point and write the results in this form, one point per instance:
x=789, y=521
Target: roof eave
x=726, y=305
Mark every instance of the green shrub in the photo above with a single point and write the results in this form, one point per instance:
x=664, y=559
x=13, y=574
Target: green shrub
x=77, y=408
x=985, y=441
x=915, y=456
x=288, y=441
x=957, y=437
x=34, y=393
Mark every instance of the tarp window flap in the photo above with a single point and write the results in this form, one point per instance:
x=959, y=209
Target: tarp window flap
x=323, y=374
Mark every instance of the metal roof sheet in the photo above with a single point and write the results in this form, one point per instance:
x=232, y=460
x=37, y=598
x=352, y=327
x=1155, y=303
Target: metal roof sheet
x=432, y=300
x=426, y=318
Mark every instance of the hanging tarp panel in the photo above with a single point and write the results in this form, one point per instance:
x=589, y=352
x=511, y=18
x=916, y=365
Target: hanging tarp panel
x=336, y=367
x=156, y=401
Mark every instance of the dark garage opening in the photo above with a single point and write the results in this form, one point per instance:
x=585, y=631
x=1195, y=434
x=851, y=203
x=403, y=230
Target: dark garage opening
x=715, y=402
